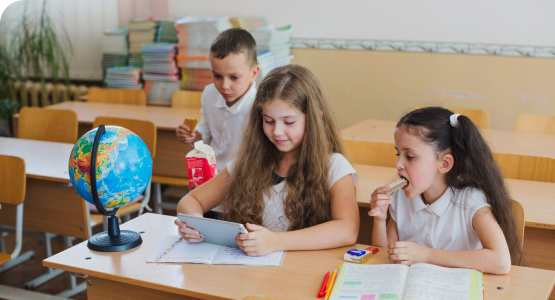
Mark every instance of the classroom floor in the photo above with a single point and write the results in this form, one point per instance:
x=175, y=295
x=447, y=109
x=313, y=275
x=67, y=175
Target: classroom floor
x=19, y=275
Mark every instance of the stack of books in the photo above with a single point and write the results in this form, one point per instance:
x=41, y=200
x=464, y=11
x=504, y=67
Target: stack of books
x=195, y=35
x=276, y=40
x=123, y=78
x=114, y=48
x=167, y=32
x=160, y=72
x=266, y=62
x=141, y=31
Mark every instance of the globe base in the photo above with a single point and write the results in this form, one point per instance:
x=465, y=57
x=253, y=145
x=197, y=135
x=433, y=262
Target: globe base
x=103, y=242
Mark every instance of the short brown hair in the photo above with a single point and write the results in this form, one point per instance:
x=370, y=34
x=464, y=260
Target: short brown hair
x=235, y=40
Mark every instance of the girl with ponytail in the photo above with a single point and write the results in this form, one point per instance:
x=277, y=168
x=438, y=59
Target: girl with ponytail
x=455, y=210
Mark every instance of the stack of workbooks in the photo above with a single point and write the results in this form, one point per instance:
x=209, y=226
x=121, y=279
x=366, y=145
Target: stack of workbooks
x=195, y=35
x=266, y=62
x=276, y=40
x=141, y=31
x=160, y=72
x=123, y=78
x=167, y=32
x=114, y=48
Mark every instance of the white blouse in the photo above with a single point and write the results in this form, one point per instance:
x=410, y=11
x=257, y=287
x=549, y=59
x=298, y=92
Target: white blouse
x=274, y=211
x=445, y=224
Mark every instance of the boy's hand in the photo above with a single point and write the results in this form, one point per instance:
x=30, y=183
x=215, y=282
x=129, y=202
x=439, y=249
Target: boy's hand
x=379, y=203
x=408, y=253
x=184, y=134
x=259, y=241
x=189, y=234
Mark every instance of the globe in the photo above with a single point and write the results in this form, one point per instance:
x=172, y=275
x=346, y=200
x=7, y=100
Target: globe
x=123, y=166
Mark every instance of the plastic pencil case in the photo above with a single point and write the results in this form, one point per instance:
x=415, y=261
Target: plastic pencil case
x=357, y=256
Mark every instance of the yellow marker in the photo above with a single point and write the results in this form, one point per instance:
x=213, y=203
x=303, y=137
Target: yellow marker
x=331, y=284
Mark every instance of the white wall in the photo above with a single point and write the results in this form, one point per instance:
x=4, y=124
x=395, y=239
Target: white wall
x=510, y=22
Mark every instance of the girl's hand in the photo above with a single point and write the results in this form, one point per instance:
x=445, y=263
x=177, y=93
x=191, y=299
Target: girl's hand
x=259, y=241
x=379, y=203
x=189, y=234
x=184, y=134
x=408, y=253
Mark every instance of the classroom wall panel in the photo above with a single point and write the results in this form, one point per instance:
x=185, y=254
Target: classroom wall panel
x=384, y=85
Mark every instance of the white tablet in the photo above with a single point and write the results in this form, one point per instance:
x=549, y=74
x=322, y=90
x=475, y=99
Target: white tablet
x=215, y=231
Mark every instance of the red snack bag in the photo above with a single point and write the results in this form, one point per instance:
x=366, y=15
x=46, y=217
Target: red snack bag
x=201, y=164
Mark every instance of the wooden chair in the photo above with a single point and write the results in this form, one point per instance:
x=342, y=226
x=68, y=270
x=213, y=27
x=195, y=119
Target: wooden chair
x=479, y=117
x=520, y=222
x=526, y=167
x=371, y=153
x=120, y=96
x=535, y=123
x=52, y=125
x=12, y=192
x=181, y=99
x=146, y=130
x=186, y=99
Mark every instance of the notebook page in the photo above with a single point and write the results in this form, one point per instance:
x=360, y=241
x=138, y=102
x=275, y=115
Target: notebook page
x=366, y=282
x=184, y=252
x=432, y=282
x=236, y=256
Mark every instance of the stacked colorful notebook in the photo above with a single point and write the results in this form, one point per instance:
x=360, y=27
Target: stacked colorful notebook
x=167, y=32
x=141, y=31
x=114, y=48
x=160, y=72
x=195, y=35
x=276, y=40
x=123, y=78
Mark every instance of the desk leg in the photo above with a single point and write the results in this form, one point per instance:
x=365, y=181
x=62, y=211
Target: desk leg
x=98, y=288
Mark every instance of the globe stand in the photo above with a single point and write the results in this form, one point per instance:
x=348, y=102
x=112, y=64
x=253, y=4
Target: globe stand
x=112, y=240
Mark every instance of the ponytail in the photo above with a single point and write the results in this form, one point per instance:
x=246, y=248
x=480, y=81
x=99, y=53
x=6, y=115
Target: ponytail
x=474, y=164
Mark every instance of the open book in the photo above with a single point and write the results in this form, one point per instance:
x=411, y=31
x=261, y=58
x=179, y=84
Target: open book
x=205, y=253
x=419, y=281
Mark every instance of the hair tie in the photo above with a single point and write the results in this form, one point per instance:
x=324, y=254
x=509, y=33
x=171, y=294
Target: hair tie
x=453, y=120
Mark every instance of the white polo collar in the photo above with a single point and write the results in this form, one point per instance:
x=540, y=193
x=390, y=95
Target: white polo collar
x=438, y=207
x=221, y=103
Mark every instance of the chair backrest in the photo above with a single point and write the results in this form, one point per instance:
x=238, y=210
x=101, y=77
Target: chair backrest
x=371, y=153
x=186, y=99
x=146, y=130
x=12, y=180
x=520, y=222
x=535, y=123
x=52, y=125
x=526, y=167
x=479, y=117
x=119, y=96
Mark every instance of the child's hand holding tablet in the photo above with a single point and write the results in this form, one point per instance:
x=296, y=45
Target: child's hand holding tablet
x=195, y=228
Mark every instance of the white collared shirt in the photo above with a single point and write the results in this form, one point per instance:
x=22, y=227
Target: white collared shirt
x=445, y=224
x=223, y=126
x=273, y=217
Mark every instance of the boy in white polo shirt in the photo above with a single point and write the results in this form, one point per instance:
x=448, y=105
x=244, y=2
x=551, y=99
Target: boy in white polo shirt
x=226, y=103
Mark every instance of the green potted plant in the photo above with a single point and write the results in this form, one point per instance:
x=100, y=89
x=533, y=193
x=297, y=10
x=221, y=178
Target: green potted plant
x=8, y=75
x=41, y=50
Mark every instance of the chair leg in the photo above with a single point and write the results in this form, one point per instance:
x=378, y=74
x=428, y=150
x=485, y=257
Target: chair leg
x=157, y=197
x=51, y=273
x=74, y=287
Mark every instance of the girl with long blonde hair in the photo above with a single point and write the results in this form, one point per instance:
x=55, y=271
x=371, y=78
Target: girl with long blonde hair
x=290, y=183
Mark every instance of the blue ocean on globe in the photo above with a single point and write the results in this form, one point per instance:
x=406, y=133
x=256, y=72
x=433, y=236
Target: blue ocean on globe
x=124, y=166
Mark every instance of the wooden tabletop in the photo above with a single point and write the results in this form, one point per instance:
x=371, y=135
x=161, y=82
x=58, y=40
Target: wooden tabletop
x=500, y=141
x=299, y=277
x=537, y=198
x=43, y=160
x=165, y=118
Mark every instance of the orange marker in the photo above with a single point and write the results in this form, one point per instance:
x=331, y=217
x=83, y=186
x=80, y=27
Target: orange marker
x=331, y=284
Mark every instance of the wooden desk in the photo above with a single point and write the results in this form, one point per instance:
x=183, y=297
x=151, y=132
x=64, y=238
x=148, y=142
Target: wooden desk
x=537, y=198
x=170, y=153
x=126, y=275
x=521, y=155
x=51, y=203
